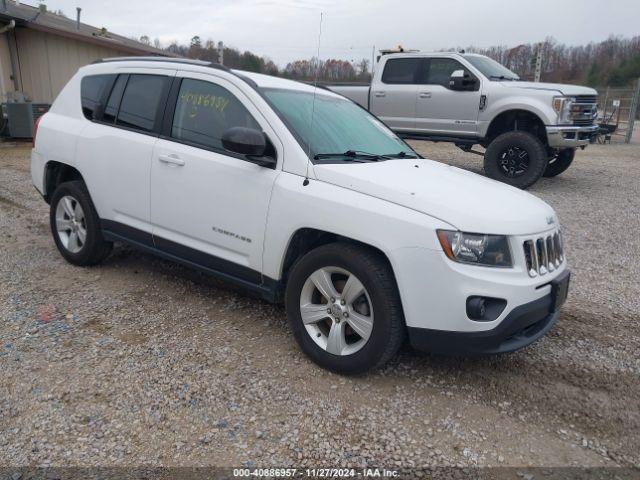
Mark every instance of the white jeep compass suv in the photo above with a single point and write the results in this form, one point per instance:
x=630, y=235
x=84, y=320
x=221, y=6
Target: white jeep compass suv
x=301, y=196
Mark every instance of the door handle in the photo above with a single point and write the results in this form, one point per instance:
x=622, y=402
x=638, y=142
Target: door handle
x=171, y=160
x=425, y=94
x=380, y=94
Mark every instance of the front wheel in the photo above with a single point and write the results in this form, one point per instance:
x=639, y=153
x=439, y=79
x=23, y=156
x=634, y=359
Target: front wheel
x=560, y=163
x=516, y=158
x=344, y=309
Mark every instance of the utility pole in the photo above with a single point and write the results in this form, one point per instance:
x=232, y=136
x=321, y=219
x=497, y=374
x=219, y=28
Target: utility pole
x=633, y=112
x=538, y=70
x=221, y=53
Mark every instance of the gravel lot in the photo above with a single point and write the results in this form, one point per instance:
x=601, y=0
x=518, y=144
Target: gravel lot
x=142, y=362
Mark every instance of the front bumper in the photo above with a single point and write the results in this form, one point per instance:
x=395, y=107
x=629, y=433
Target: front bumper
x=523, y=326
x=569, y=136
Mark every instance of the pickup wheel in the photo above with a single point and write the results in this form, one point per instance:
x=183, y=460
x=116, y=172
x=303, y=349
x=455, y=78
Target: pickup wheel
x=344, y=309
x=75, y=225
x=560, y=163
x=517, y=158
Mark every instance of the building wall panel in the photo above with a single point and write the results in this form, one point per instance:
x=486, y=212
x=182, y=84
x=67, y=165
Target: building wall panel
x=48, y=61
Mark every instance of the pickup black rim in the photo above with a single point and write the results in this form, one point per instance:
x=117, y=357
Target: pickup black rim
x=514, y=162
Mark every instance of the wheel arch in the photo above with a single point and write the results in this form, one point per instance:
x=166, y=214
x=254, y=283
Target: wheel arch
x=304, y=240
x=517, y=119
x=56, y=173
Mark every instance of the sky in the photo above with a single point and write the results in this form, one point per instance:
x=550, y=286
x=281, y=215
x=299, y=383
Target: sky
x=286, y=30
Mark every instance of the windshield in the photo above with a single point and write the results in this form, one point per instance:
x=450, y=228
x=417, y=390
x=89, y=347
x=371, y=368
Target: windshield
x=490, y=68
x=342, y=131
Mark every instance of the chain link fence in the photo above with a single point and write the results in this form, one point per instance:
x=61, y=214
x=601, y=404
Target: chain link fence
x=619, y=113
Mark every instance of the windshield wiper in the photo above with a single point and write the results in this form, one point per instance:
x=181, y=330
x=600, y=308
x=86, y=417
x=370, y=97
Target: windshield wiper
x=352, y=155
x=400, y=155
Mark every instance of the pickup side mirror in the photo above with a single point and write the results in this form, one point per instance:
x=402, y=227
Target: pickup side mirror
x=249, y=142
x=462, y=81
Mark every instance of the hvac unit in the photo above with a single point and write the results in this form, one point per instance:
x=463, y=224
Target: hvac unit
x=22, y=116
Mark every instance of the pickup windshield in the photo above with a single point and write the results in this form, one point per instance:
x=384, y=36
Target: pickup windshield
x=490, y=68
x=342, y=132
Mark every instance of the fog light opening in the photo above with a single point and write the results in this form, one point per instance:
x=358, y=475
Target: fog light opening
x=485, y=309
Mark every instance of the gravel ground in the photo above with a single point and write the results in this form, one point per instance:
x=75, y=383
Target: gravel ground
x=142, y=362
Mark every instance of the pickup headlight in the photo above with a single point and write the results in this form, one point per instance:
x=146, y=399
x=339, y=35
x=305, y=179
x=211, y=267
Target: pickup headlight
x=563, y=107
x=475, y=248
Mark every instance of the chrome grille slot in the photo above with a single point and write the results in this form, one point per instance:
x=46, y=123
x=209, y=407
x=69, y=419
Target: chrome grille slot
x=543, y=254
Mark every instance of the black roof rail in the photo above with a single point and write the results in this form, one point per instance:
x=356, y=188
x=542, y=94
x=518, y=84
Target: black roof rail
x=187, y=61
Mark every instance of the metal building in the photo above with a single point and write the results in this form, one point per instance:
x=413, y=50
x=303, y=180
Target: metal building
x=40, y=50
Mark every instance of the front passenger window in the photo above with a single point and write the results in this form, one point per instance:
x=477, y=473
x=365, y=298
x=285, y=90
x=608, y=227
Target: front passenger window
x=204, y=111
x=440, y=70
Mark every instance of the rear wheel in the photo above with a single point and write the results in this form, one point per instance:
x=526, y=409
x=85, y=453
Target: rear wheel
x=344, y=308
x=560, y=163
x=517, y=158
x=75, y=225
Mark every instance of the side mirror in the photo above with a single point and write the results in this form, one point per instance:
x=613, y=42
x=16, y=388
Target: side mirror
x=461, y=81
x=250, y=142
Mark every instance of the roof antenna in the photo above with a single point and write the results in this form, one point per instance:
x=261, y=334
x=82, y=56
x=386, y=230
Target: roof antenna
x=313, y=105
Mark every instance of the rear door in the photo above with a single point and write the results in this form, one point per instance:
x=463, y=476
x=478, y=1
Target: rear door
x=441, y=110
x=116, y=147
x=208, y=205
x=393, y=98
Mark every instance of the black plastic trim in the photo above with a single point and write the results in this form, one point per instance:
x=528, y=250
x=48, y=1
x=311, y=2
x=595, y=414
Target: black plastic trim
x=267, y=288
x=184, y=61
x=523, y=326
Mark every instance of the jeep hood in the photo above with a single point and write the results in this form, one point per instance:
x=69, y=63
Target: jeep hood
x=465, y=200
x=556, y=88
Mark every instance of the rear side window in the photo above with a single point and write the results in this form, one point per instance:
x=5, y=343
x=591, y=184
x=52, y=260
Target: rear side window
x=402, y=71
x=204, y=111
x=141, y=102
x=91, y=90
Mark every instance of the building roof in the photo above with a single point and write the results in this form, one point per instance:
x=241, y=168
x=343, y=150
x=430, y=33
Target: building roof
x=33, y=17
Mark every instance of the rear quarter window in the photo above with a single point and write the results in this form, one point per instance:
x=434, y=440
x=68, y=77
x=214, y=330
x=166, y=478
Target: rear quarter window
x=92, y=89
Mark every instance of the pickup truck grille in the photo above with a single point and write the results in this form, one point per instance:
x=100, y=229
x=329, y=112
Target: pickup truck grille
x=543, y=254
x=585, y=110
x=591, y=99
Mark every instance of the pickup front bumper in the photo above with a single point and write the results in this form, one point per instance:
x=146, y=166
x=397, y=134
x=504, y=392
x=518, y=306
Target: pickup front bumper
x=569, y=136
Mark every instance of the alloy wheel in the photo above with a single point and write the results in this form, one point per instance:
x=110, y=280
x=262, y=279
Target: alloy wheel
x=336, y=311
x=71, y=224
x=514, y=162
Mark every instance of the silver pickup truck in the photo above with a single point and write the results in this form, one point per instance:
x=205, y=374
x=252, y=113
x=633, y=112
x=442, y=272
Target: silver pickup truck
x=528, y=129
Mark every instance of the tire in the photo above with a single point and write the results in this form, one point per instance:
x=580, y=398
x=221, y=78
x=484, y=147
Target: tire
x=72, y=213
x=560, y=163
x=516, y=158
x=378, y=304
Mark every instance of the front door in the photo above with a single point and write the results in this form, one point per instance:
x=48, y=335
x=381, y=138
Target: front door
x=209, y=206
x=440, y=110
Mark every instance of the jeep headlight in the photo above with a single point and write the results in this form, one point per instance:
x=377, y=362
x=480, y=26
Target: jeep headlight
x=563, y=107
x=476, y=248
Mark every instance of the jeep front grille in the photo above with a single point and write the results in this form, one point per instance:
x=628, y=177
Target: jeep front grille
x=544, y=254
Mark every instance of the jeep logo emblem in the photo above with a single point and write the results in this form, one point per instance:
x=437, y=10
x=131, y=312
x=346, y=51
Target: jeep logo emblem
x=550, y=221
